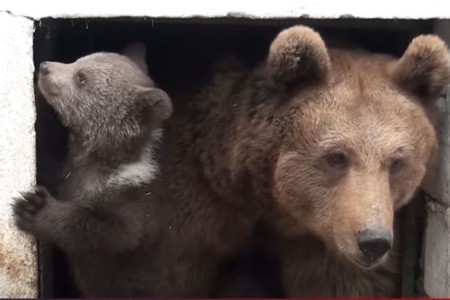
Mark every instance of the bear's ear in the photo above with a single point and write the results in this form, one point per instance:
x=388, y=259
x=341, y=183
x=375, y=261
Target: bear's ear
x=137, y=53
x=155, y=101
x=298, y=53
x=424, y=68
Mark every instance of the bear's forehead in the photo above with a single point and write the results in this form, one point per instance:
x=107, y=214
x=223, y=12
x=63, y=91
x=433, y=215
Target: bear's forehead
x=373, y=108
x=103, y=57
x=361, y=69
x=362, y=82
x=106, y=60
x=105, y=64
x=362, y=106
x=371, y=129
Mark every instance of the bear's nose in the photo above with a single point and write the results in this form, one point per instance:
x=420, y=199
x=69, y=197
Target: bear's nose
x=374, y=243
x=43, y=68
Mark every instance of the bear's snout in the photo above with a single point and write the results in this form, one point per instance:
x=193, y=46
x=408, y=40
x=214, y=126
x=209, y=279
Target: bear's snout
x=43, y=68
x=374, y=243
x=53, y=78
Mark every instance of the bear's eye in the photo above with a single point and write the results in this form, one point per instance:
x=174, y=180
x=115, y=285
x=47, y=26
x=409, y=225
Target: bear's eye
x=81, y=79
x=396, y=166
x=337, y=160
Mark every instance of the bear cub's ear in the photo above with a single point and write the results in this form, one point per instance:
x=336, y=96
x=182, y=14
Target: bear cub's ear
x=155, y=101
x=298, y=53
x=424, y=68
x=136, y=52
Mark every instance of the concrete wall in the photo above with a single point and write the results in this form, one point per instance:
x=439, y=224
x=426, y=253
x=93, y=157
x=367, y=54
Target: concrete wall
x=18, y=268
x=437, y=234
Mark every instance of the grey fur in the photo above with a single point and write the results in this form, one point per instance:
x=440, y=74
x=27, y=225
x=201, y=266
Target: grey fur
x=102, y=215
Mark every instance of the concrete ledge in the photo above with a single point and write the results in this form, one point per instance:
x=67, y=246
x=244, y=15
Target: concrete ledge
x=18, y=268
x=384, y=9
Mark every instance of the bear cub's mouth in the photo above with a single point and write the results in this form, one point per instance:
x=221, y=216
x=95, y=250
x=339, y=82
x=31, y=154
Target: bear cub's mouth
x=46, y=89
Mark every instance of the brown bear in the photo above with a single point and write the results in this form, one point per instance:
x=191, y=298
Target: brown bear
x=360, y=139
x=321, y=144
x=101, y=216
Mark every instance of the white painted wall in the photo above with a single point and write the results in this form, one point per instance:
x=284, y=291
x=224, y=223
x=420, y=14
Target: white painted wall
x=18, y=269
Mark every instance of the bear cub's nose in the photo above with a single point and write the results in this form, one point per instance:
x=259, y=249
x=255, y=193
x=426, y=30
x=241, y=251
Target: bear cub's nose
x=43, y=68
x=374, y=243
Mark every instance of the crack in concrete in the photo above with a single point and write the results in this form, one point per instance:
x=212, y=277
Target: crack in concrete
x=17, y=16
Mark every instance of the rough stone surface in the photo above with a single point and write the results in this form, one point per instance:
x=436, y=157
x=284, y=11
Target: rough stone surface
x=18, y=268
x=437, y=185
x=385, y=9
x=437, y=253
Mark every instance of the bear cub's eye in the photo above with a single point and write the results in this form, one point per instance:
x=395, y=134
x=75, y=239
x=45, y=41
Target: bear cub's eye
x=81, y=79
x=396, y=166
x=337, y=160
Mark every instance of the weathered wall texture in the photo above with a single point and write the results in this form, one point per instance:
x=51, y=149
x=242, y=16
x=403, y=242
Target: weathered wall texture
x=18, y=268
x=437, y=234
x=384, y=9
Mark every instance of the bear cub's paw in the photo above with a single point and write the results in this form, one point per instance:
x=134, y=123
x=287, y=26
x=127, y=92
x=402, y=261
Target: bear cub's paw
x=28, y=208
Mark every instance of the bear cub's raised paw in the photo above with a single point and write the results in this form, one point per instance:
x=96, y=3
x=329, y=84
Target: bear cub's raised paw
x=29, y=207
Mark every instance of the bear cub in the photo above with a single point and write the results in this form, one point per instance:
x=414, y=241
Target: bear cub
x=101, y=217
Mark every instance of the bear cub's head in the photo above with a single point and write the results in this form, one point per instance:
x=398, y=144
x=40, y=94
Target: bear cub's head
x=105, y=97
x=357, y=137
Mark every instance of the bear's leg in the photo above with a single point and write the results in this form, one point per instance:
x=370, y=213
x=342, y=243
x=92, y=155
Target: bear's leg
x=189, y=254
x=76, y=228
x=183, y=274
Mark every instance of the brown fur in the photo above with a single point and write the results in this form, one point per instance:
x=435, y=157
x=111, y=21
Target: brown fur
x=375, y=115
x=298, y=56
x=261, y=145
x=423, y=68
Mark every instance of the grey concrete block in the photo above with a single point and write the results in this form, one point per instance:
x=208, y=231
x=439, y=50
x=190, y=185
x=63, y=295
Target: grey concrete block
x=437, y=253
x=18, y=268
x=437, y=232
x=437, y=182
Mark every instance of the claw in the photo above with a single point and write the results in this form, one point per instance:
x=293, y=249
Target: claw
x=26, y=207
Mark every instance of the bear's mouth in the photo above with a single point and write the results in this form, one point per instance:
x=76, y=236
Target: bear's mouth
x=362, y=263
x=47, y=89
